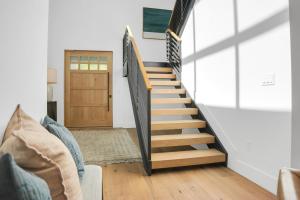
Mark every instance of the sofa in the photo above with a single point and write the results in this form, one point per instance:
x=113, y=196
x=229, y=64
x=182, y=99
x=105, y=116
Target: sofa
x=288, y=184
x=91, y=183
x=47, y=163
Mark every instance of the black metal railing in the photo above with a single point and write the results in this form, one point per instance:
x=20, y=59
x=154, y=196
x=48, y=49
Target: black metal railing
x=179, y=18
x=180, y=15
x=140, y=92
x=174, y=51
x=126, y=41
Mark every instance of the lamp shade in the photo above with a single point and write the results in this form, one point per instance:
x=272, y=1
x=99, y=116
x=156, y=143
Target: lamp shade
x=51, y=76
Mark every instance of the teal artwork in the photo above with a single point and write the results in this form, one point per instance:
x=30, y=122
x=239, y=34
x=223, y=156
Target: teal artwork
x=156, y=22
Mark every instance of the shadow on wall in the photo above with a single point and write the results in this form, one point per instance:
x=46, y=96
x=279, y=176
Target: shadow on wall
x=257, y=127
x=276, y=20
x=254, y=120
x=265, y=26
x=256, y=140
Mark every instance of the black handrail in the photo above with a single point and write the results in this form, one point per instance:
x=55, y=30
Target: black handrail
x=180, y=15
x=140, y=92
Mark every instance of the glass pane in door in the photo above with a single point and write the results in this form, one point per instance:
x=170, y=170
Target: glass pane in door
x=103, y=59
x=74, y=63
x=93, y=62
x=102, y=66
x=93, y=66
x=84, y=63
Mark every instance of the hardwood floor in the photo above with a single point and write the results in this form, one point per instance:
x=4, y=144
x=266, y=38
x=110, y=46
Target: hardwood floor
x=129, y=182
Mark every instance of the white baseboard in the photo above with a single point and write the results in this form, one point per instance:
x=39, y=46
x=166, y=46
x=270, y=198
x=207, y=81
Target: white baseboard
x=256, y=175
x=252, y=173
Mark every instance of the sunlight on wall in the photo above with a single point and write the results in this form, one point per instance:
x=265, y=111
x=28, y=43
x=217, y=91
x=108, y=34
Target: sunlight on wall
x=187, y=37
x=259, y=51
x=239, y=45
x=254, y=11
x=268, y=54
x=188, y=78
x=216, y=79
x=214, y=21
x=187, y=45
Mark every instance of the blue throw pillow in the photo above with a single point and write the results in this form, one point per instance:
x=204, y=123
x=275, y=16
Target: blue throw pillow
x=68, y=139
x=17, y=184
x=48, y=120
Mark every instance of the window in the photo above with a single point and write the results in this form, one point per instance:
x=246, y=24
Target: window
x=92, y=63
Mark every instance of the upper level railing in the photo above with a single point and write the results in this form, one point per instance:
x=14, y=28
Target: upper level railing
x=174, y=51
x=180, y=14
x=140, y=91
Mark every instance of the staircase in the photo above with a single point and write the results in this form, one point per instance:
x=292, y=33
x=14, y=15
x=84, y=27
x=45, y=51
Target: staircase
x=165, y=145
x=171, y=129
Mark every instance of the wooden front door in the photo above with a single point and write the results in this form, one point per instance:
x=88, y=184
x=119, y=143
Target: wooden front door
x=88, y=89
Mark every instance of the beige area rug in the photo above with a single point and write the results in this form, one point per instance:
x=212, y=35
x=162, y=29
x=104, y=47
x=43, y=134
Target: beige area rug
x=107, y=146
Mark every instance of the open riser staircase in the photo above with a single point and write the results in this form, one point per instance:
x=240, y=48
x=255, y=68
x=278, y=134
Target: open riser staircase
x=175, y=111
x=172, y=130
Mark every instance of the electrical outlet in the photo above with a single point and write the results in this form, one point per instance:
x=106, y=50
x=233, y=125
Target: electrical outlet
x=249, y=145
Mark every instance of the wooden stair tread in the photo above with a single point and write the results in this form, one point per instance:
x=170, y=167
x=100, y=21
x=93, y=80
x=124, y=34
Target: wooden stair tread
x=177, y=124
x=170, y=100
x=168, y=91
x=186, y=158
x=165, y=83
x=175, y=111
x=159, y=69
x=181, y=139
x=162, y=76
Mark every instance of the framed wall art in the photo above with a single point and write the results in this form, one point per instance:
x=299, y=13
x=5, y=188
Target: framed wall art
x=155, y=23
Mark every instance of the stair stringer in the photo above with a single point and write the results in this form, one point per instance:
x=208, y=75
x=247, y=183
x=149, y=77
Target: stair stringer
x=208, y=129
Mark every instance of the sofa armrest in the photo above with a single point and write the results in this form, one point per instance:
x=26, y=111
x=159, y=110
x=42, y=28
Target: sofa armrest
x=91, y=183
x=288, y=184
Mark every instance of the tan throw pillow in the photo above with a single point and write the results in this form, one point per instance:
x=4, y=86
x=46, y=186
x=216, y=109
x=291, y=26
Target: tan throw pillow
x=38, y=151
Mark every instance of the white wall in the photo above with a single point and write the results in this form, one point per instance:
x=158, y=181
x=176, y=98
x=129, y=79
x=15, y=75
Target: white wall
x=100, y=25
x=295, y=41
x=238, y=44
x=23, y=55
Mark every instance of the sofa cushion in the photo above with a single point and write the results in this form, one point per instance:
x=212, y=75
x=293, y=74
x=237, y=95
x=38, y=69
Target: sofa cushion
x=36, y=150
x=91, y=183
x=68, y=139
x=17, y=184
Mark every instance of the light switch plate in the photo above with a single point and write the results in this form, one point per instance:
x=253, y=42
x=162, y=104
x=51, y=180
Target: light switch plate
x=268, y=80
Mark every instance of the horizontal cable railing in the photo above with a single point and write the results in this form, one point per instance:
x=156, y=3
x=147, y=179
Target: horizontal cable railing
x=179, y=18
x=174, y=51
x=140, y=91
x=181, y=12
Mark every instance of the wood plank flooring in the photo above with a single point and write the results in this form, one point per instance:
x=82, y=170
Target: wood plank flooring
x=129, y=182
